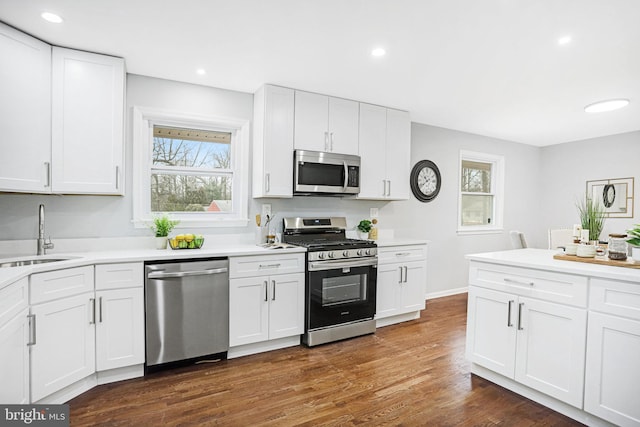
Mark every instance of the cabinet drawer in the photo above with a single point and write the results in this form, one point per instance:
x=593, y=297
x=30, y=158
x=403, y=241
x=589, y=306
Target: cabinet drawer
x=13, y=299
x=116, y=276
x=258, y=265
x=546, y=285
x=401, y=254
x=61, y=283
x=615, y=297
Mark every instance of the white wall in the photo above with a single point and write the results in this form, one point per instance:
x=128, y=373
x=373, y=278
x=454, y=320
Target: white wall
x=567, y=167
x=437, y=220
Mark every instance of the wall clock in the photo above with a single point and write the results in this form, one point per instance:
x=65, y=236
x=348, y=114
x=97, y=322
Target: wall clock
x=425, y=180
x=608, y=195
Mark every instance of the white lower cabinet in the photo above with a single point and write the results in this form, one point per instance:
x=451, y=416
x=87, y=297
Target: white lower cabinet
x=14, y=343
x=612, y=384
x=63, y=350
x=537, y=343
x=265, y=308
x=266, y=300
x=119, y=328
x=401, y=282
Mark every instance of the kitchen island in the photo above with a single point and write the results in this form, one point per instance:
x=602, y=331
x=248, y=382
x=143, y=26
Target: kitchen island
x=564, y=334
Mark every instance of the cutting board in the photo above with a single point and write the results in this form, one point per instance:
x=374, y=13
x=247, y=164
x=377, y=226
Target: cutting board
x=628, y=263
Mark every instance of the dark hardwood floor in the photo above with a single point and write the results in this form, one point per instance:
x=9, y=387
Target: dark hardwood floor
x=410, y=374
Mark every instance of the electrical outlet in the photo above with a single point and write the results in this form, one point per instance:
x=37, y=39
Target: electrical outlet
x=373, y=213
x=266, y=212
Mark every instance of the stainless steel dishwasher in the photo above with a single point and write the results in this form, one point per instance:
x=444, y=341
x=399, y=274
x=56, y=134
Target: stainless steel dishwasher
x=186, y=310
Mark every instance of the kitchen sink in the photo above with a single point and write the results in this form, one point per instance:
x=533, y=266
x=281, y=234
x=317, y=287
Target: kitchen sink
x=21, y=262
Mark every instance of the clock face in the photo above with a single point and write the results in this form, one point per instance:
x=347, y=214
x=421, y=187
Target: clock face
x=608, y=195
x=425, y=180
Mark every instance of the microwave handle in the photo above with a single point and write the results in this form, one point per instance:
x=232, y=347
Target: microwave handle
x=346, y=176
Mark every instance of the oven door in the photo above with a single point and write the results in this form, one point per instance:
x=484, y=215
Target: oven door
x=340, y=291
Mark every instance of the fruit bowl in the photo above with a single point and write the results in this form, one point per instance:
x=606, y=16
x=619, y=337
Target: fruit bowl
x=186, y=241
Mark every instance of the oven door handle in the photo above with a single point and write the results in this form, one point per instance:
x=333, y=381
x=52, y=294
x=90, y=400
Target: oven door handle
x=346, y=174
x=340, y=263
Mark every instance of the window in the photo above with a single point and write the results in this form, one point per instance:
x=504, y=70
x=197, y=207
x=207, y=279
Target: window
x=481, y=192
x=193, y=167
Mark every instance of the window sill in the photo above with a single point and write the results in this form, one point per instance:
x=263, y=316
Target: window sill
x=199, y=223
x=470, y=232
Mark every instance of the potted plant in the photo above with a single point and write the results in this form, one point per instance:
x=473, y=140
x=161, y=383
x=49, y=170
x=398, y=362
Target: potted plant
x=634, y=241
x=364, y=227
x=162, y=226
x=591, y=217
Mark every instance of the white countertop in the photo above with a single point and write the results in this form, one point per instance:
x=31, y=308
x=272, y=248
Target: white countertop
x=9, y=275
x=542, y=259
x=384, y=242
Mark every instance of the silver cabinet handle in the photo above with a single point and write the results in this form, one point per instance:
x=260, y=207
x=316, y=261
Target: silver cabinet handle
x=266, y=296
x=32, y=329
x=273, y=296
x=100, y=309
x=267, y=183
x=406, y=274
x=400, y=268
x=161, y=275
x=47, y=165
x=384, y=187
x=93, y=311
x=117, y=177
x=269, y=265
x=520, y=316
x=509, y=324
x=326, y=141
x=518, y=282
x=389, y=192
x=331, y=141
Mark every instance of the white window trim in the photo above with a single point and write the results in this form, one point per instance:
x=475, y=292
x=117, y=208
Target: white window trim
x=143, y=120
x=497, y=188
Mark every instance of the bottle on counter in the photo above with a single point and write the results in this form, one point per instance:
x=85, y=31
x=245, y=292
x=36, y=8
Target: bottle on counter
x=373, y=233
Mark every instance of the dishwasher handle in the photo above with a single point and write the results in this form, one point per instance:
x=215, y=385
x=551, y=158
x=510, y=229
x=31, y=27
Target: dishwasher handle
x=162, y=275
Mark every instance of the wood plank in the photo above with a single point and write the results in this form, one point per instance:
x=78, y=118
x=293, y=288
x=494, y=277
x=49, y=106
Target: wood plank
x=411, y=374
x=628, y=263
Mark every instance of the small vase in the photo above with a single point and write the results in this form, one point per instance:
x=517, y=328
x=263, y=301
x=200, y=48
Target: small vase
x=161, y=242
x=635, y=253
x=363, y=235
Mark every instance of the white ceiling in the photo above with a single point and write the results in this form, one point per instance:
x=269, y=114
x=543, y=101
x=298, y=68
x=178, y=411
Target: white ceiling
x=490, y=67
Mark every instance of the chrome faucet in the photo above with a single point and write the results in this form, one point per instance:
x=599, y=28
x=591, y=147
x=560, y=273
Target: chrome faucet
x=42, y=244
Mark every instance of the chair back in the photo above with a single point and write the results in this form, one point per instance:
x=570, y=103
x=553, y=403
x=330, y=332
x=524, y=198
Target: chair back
x=560, y=237
x=517, y=239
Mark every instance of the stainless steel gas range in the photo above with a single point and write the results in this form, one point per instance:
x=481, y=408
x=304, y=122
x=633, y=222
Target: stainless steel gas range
x=341, y=275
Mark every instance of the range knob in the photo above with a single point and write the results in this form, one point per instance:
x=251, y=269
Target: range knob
x=359, y=252
x=321, y=255
x=367, y=251
x=331, y=254
x=345, y=254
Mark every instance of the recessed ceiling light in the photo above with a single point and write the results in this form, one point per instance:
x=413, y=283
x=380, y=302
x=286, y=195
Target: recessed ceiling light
x=608, y=105
x=51, y=17
x=564, y=40
x=201, y=71
x=378, y=52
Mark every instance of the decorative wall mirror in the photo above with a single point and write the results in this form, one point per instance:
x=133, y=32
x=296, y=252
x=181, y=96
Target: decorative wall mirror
x=614, y=195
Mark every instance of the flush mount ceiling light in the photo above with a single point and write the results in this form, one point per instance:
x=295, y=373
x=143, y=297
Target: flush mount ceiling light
x=378, y=52
x=608, y=105
x=51, y=17
x=564, y=40
x=201, y=71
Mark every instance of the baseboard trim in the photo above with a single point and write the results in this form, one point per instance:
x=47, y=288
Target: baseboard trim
x=448, y=292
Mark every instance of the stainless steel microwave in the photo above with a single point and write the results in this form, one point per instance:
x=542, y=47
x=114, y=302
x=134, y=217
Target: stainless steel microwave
x=325, y=174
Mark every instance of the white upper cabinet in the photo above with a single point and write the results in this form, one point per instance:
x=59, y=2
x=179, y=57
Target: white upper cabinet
x=324, y=123
x=385, y=152
x=88, y=117
x=273, y=142
x=25, y=112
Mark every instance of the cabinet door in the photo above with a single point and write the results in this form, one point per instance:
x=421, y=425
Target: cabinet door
x=491, y=330
x=14, y=354
x=550, y=350
x=119, y=328
x=388, y=295
x=286, y=305
x=413, y=288
x=311, y=130
x=64, y=349
x=398, y=154
x=372, y=150
x=87, y=122
x=612, y=385
x=248, y=310
x=25, y=112
x=343, y=126
x=273, y=142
